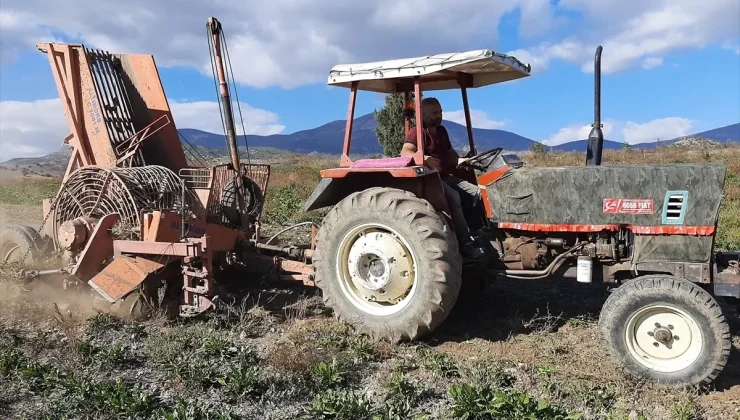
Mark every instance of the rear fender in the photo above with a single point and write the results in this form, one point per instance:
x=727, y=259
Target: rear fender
x=331, y=191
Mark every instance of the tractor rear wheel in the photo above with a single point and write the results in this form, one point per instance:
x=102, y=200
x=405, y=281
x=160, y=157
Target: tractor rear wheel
x=388, y=263
x=665, y=329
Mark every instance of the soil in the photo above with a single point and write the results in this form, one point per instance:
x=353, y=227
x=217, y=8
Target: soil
x=538, y=338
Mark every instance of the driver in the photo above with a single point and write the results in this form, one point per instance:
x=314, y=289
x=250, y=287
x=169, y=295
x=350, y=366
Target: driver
x=440, y=155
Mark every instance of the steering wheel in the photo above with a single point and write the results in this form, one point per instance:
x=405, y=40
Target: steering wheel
x=474, y=162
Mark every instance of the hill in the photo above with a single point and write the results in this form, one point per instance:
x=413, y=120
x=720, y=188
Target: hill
x=727, y=134
x=329, y=137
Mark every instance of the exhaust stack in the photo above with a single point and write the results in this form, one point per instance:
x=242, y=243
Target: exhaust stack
x=596, y=137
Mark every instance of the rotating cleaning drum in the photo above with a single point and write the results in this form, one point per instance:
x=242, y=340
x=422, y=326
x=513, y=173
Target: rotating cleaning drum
x=92, y=192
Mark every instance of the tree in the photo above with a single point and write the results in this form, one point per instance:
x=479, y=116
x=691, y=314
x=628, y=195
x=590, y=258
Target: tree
x=390, y=128
x=538, y=148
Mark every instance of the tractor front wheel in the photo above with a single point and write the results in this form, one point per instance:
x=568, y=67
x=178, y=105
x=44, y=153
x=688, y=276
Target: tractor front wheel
x=388, y=263
x=666, y=329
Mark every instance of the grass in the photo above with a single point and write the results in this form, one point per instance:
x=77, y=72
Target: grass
x=525, y=351
x=28, y=192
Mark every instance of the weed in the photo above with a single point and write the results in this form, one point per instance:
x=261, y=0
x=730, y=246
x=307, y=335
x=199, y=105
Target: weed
x=546, y=370
x=401, y=398
x=487, y=373
x=243, y=380
x=329, y=375
x=283, y=204
x=11, y=360
x=440, y=363
x=339, y=405
x=102, y=322
x=684, y=410
x=476, y=402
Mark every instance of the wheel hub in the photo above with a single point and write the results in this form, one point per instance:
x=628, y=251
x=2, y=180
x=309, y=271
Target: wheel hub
x=663, y=335
x=380, y=267
x=663, y=338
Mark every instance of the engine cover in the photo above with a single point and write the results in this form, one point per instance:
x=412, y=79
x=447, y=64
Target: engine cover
x=636, y=195
x=672, y=209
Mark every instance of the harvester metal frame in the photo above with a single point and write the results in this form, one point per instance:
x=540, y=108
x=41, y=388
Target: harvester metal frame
x=129, y=165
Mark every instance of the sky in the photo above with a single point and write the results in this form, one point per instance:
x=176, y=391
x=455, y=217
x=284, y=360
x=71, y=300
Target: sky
x=669, y=67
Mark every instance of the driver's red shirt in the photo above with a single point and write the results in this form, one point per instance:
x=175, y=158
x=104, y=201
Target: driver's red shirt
x=436, y=146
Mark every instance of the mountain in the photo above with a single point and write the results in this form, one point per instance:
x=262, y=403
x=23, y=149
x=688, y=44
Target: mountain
x=581, y=145
x=727, y=134
x=329, y=138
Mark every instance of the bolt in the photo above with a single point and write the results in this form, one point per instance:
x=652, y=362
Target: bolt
x=650, y=333
x=657, y=325
x=670, y=327
x=675, y=337
x=656, y=344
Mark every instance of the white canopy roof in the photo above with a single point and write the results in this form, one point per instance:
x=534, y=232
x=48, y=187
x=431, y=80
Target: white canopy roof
x=485, y=66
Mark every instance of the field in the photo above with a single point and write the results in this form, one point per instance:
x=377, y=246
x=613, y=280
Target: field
x=526, y=350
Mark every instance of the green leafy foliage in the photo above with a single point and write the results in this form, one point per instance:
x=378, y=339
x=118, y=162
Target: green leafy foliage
x=471, y=402
x=390, y=129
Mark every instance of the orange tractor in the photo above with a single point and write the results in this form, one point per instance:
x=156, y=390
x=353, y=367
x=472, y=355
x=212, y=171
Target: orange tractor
x=387, y=259
x=134, y=215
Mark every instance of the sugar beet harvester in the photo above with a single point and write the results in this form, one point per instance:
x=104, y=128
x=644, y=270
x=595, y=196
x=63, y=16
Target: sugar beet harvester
x=132, y=214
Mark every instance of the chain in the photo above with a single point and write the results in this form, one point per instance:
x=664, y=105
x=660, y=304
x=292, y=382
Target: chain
x=46, y=218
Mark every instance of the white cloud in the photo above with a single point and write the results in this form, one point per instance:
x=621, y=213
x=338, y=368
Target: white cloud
x=289, y=43
x=733, y=46
x=478, y=119
x=205, y=115
x=283, y=43
x=33, y=129
x=632, y=132
x=652, y=62
x=663, y=129
x=631, y=31
x=577, y=132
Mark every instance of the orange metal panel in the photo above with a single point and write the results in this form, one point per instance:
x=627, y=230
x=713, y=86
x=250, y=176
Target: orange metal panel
x=486, y=203
x=140, y=74
x=122, y=276
x=98, y=249
x=643, y=230
x=407, y=172
x=167, y=227
x=65, y=66
x=489, y=177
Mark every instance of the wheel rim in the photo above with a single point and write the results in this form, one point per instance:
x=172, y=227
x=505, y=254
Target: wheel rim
x=663, y=338
x=11, y=249
x=376, y=269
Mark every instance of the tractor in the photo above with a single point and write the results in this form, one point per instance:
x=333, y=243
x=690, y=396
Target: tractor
x=387, y=259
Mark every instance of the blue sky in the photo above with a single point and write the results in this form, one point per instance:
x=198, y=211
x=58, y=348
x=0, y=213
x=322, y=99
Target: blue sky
x=670, y=68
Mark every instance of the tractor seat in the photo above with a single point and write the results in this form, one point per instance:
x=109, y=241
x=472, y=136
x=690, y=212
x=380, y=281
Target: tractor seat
x=396, y=162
